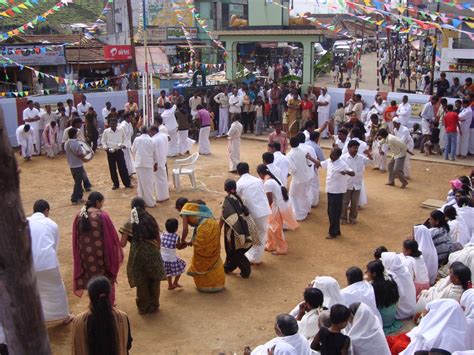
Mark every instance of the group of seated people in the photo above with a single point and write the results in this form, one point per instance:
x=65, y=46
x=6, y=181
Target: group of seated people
x=419, y=301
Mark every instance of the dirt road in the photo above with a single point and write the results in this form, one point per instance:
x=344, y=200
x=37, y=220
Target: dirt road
x=193, y=323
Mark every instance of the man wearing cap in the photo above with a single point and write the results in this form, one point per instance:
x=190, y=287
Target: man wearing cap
x=402, y=132
x=323, y=102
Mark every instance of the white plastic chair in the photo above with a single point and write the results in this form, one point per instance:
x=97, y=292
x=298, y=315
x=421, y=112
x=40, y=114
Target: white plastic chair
x=185, y=167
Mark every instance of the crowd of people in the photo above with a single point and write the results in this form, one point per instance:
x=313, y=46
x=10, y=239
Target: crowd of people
x=434, y=266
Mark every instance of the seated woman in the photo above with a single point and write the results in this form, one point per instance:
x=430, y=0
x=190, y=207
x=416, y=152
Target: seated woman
x=413, y=260
x=467, y=303
x=465, y=209
x=386, y=296
x=145, y=268
x=366, y=333
x=330, y=289
x=452, y=286
x=458, y=230
x=439, y=230
x=406, y=287
x=443, y=327
x=103, y=329
x=206, y=265
x=422, y=235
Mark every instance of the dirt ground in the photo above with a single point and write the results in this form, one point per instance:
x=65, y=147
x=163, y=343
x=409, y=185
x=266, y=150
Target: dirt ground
x=190, y=322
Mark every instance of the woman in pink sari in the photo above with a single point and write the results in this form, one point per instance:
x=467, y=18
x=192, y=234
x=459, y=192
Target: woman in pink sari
x=282, y=212
x=96, y=246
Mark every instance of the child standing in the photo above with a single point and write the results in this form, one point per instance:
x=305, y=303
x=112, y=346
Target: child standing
x=433, y=142
x=259, y=117
x=330, y=341
x=174, y=266
x=267, y=111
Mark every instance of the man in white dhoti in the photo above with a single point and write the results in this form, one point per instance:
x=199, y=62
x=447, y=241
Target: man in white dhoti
x=31, y=116
x=233, y=136
x=24, y=137
x=161, y=187
x=50, y=139
x=301, y=176
x=402, y=132
x=280, y=161
x=324, y=103
x=127, y=127
x=235, y=104
x=169, y=120
x=314, y=192
x=465, y=119
x=44, y=245
x=404, y=111
x=162, y=100
x=194, y=102
x=146, y=162
x=251, y=190
x=204, y=118
x=286, y=329
x=222, y=100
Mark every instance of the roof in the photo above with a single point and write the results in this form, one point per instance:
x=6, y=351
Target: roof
x=280, y=32
x=55, y=39
x=85, y=55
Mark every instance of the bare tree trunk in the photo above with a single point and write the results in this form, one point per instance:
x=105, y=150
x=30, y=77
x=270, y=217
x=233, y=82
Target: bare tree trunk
x=20, y=306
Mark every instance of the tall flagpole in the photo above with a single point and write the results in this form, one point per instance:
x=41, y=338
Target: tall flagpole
x=146, y=109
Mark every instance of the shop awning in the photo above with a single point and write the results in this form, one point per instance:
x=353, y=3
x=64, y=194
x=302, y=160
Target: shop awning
x=158, y=62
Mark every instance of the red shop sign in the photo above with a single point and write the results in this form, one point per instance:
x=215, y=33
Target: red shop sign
x=117, y=53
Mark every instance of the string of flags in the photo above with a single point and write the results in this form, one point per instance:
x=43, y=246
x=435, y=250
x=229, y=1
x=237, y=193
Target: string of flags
x=16, y=9
x=38, y=19
x=178, y=10
x=190, y=64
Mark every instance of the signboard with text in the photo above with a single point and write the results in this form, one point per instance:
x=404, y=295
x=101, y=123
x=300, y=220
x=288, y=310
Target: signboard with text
x=178, y=33
x=117, y=53
x=33, y=55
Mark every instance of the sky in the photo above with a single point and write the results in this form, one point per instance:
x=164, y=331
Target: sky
x=316, y=6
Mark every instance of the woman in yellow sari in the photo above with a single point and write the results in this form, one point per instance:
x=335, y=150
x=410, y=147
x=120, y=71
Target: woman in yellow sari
x=206, y=265
x=293, y=114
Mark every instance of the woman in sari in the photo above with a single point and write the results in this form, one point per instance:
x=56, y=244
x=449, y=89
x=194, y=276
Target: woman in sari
x=145, y=265
x=240, y=231
x=95, y=245
x=282, y=212
x=103, y=329
x=293, y=112
x=206, y=265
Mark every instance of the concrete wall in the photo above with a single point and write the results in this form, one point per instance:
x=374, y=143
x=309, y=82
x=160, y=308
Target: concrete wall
x=263, y=14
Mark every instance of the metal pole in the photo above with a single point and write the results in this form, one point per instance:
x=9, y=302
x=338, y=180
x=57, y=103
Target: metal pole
x=433, y=57
x=152, y=106
x=146, y=111
x=377, y=53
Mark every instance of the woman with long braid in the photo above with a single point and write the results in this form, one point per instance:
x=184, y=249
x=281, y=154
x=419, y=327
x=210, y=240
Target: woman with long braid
x=281, y=212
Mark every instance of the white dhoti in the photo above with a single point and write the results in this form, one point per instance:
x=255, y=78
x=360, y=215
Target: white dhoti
x=463, y=140
x=223, y=120
x=255, y=254
x=300, y=199
x=52, y=150
x=183, y=143
x=234, y=153
x=380, y=161
x=26, y=147
x=173, y=142
x=315, y=190
x=162, y=192
x=363, y=195
x=52, y=294
x=407, y=166
x=204, y=143
x=145, y=189
x=442, y=139
x=127, y=154
x=323, y=117
x=37, y=141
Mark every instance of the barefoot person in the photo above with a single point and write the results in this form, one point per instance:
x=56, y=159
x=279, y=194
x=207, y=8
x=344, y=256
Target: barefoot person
x=44, y=246
x=233, y=136
x=145, y=266
x=206, y=265
x=174, y=266
x=397, y=162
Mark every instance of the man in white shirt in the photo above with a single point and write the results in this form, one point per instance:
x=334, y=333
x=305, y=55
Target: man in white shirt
x=194, y=102
x=83, y=107
x=45, y=118
x=268, y=159
x=169, y=120
x=336, y=187
x=233, y=136
x=70, y=109
x=251, y=190
x=31, y=116
x=379, y=107
x=160, y=141
x=280, y=161
x=235, y=104
x=128, y=130
x=324, y=103
x=403, y=133
x=465, y=119
x=314, y=192
x=357, y=163
x=404, y=111
x=222, y=100
x=308, y=313
x=427, y=117
x=399, y=150
x=24, y=137
x=44, y=234
x=105, y=114
x=146, y=162
x=162, y=100
x=113, y=141
x=301, y=176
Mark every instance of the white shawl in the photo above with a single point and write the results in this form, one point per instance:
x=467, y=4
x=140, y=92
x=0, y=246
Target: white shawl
x=406, y=287
x=444, y=327
x=459, y=232
x=467, y=302
x=425, y=243
x=366, y=333
x=465, y=256
x=330, y=289
x=362, y=292
x=443, y=289
x=297, y=341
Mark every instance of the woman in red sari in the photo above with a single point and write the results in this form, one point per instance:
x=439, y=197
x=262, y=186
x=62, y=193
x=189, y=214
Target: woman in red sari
x=96, y=246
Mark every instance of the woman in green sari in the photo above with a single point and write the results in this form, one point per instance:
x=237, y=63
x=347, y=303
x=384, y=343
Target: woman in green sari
x=206, y=265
